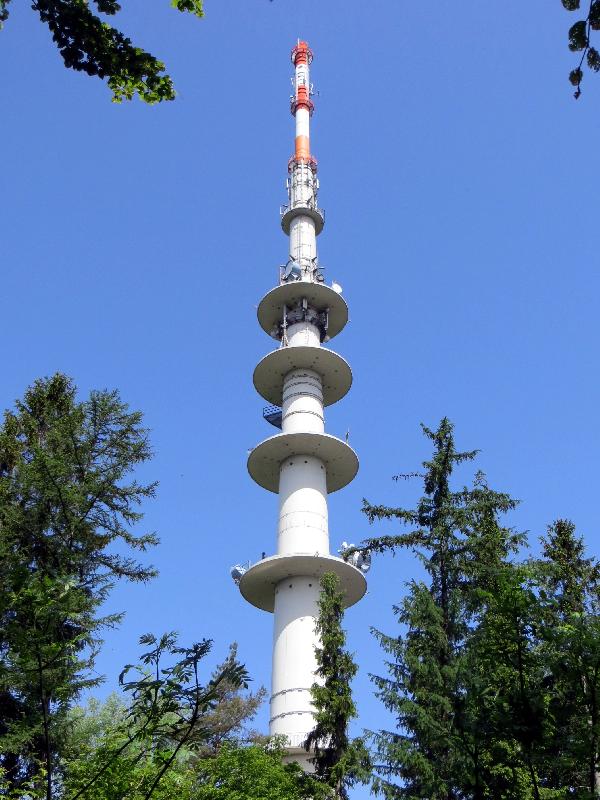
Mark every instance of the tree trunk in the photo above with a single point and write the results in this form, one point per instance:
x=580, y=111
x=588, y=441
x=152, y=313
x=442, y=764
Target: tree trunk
x=44, y=704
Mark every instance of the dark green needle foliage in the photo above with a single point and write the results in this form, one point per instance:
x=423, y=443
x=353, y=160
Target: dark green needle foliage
x=433, y=751
x=339, y=762
x=581, y=35
x=569, y=592
x=493, y=677
x=68, y=505
x=89, y=44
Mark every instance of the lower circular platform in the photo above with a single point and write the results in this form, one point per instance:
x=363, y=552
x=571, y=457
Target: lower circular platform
x=341, y=462
x=318, y=295
x=259, y=582
x=317, y=216
x=335, y=372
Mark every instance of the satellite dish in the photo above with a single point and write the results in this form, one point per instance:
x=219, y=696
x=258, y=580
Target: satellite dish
x=361, y=559
x=336, y=287
x=365, y=565
x=236, y=573
x=293, y=271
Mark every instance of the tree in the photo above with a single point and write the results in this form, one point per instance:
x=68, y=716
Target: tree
x=457, y=536
x=65, y=503
x=149, y=751
x=227, y=722
x=568, y=586
x=580, y=40
x=157, y=746
x=89, y=44
x=507, y=692
x=254, y=773
x=338, y=761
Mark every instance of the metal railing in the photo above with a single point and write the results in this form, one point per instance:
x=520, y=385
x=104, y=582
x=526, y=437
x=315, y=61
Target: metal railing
x=273, y=414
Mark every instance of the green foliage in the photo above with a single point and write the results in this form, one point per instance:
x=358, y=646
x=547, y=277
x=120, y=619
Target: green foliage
x=191, y=6
x=456, y=535
x=580, y=40
x=227, y=721
x=88, y=44
x=569, y=595
x=147, y=750
x=494, y=677
x=159, y=745
x=338, y=761
x=254, y=773
x=3, y=11
x=64, y=502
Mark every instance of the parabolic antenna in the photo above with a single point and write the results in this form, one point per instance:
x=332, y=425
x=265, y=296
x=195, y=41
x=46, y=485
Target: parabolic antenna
x=293, y=271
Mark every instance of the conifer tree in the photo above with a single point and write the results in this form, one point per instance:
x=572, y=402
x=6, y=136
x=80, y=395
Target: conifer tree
x=569, y=590
x=66, y=500
x=339, y=762
x=505, y=689
x=433, y=752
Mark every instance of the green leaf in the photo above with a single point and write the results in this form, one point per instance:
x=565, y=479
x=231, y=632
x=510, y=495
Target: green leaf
x=578, y=39
x=593, y=59
x=571, y=5
x=194, y=7
x=594, y=16
x=576, y=76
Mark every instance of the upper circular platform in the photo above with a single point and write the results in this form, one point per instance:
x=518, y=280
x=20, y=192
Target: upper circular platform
x=335, y=372
x=318, y=295
x=259, y=582
x=341, y=462
x=316, y=214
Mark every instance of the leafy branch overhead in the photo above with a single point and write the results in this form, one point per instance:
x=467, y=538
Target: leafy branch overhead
x=580, y=34
x=89, y=44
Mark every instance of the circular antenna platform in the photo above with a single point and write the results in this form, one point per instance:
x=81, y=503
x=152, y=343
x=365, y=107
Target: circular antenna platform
x=259, y=583
x=318, y=295
x=335, y=372
x=340, y=460
x=317, y=216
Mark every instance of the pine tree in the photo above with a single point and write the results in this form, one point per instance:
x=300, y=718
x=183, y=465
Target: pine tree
x=506, y=690
x=569, y=590
x=434, y=751
x=339, y=762
x=65, y=501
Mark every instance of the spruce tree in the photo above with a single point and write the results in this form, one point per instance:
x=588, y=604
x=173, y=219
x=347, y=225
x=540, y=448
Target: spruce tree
x=569, y=590
x=505, y=688
x=67, y=508
x=339, y=762
x=434, y=751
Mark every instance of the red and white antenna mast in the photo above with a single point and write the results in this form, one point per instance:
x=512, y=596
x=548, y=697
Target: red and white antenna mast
x=302, y=105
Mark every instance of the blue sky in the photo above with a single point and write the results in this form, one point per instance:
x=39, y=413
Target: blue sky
x=460, y=182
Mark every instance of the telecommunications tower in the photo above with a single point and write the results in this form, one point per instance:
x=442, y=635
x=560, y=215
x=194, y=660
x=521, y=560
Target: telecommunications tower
x=302, y=464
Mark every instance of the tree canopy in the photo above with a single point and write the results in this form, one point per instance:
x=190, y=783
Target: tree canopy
x=66, y=500
x=493, y=676
x=89, y=44
x=580, y=40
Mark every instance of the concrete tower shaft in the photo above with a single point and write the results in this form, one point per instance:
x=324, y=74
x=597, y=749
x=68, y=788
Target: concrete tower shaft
x=302, y=463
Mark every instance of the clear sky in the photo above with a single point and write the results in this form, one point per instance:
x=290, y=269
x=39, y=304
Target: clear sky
x=460, y=180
